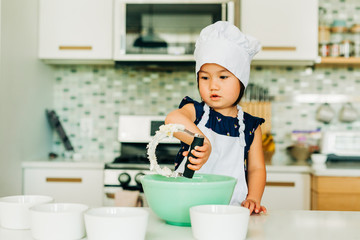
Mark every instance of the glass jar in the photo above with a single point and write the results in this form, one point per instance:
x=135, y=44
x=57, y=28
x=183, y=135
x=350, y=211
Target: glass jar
x=324, y=50
x=335, y=49
x=355, y=30
x=346, y=48
x=325, y=21
x=324, y=35
x=357, y=49
x=338, y=31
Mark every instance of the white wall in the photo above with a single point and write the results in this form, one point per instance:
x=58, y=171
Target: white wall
x=25, y=93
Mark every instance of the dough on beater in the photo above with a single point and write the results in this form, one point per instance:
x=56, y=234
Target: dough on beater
x=164, y=131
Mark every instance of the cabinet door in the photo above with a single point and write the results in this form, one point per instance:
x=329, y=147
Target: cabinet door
x=287, y=191
x=66, y=185
x=287, y=29
x=75, y=29
x=335, y=193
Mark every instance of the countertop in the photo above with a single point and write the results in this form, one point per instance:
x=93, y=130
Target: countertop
x=345, y=169
x=284, y=164
x=328, y=169
x=62, y=163
x=279, y=225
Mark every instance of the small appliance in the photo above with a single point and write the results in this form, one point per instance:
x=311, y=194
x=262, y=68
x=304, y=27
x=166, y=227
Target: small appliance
x=134, y=134
x=341, y=146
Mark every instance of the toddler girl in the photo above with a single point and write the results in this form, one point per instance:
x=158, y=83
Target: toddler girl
x=233, y=142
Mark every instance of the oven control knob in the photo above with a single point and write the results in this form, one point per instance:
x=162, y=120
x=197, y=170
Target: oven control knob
x=124, y=179
x=138, y=178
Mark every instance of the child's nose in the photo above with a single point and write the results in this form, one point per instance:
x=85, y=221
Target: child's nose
x=214, y=84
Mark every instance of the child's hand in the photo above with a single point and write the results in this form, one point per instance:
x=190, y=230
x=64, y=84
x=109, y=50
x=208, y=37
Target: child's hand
x=253, y=206
x=202, y=155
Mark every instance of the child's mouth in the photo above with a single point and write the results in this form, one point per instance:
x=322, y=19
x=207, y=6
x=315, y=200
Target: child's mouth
x=214, y=97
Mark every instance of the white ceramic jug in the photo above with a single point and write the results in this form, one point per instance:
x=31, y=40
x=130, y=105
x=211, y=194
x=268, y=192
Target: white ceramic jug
x=348, y=113
x=325, y=113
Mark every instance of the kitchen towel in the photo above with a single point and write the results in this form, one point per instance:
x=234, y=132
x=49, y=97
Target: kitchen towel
x=127, y=198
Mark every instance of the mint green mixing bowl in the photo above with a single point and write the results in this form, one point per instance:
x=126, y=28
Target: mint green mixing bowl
x=171, y=198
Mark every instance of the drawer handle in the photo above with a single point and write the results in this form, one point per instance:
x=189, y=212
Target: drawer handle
x=51, y=179
x=110, y=195
x=75, y=47
x=272, y=48
x=280, y=184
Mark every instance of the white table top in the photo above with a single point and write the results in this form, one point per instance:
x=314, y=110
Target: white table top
x=277, y=225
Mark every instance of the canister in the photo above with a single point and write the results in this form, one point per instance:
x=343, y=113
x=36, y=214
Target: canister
x=346, y=48
x=337, y=36
x=324, y=50
x=356, y=49
x=324, y=35
x=355, y=30
x=335, y=50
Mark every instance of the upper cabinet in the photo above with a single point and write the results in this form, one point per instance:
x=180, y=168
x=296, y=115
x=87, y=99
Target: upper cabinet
x=287, y=29
x=104, y=31
x=76, y=30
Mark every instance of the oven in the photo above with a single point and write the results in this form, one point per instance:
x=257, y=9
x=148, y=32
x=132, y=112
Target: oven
x=125, y=172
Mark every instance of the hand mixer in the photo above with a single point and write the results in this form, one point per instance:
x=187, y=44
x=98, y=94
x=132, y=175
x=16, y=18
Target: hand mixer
x=198, y=141
x=167, y=131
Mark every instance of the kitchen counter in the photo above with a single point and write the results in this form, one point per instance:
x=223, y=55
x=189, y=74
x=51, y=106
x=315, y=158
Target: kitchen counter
x=279, y=225
x=347, y=169
x=333, y=169
x=338, y=169
x=289, y=168
x=60, y=163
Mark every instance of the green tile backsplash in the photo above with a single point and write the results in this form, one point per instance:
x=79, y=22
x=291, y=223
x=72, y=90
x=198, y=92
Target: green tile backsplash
x=89, y=99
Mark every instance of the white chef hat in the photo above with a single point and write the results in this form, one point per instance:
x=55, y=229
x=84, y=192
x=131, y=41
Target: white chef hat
x=224, y=44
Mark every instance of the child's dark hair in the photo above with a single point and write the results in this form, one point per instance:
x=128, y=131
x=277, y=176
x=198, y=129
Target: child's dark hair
x=241, y=93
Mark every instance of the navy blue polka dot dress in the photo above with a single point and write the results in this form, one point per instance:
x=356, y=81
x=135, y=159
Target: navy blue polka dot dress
x=223, y=125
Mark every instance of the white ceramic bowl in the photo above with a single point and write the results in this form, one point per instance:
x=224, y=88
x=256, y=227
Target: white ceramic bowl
x=219, y=222
x=58, y=221
x=14, y=210
x=318, y=158
x=110, y=223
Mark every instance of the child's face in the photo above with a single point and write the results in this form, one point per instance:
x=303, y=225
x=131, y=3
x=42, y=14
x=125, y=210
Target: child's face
x=218, y=87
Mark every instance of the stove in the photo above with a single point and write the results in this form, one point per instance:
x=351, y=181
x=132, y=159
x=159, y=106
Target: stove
x=134, y=134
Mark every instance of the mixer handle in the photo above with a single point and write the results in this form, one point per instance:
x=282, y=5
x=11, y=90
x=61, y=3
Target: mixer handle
x=198, y=141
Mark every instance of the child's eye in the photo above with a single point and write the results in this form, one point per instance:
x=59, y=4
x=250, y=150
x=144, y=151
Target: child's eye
x=223, y=77
x=204, y=78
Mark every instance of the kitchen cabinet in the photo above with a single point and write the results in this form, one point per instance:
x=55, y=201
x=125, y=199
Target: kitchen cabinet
x=75, y=30
x=287, y=29
x=335, y=193
x=287, y=191
x=65, y=182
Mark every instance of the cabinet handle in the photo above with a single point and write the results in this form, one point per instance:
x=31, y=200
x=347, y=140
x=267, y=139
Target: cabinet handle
x=110, y=195
x=280, y=184
x=272, y=48
x=75, y=47
x=51, y=179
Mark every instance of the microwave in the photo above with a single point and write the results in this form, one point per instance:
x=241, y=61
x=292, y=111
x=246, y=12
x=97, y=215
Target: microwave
x=164, y=30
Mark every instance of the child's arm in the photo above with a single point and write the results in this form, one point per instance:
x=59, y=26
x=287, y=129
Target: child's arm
x=186, y=116
x=256, y=175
